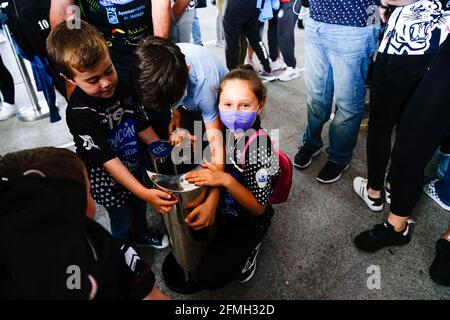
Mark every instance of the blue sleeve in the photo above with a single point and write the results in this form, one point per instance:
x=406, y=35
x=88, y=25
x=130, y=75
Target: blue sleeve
x=207, y=103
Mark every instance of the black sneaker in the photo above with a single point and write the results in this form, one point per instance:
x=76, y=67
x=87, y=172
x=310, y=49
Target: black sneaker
x=440, y=268
x=382, y=235
x=331, y=172
x=250, y=266
x=154, y=239
x=303, y=157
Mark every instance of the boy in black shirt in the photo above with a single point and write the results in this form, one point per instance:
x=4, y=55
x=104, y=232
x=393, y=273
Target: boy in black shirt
x=106, y=121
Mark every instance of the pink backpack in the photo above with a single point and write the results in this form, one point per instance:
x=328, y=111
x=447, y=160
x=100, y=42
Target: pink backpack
x=283, y=183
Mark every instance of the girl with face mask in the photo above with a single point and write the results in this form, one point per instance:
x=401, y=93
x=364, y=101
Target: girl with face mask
x=244, y=213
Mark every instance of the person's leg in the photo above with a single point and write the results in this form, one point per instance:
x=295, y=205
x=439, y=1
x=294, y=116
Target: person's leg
x=219, y=24
x=122, y=221
x=232, y=26
x=319, y=85
x=286, y=39
x=251, y=29
x=181, y=30
x=196, y=31
x=394, y=81
x=425, y=125
x=442, y=187
x=225, y=254
x=349, y=50
x=6, y=84
x=443, y=156
x=272, y=36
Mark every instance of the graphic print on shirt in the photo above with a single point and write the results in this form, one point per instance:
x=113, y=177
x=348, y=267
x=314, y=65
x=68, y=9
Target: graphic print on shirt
x=88, y=142
x=416, y=29
x=123, y=140
x=129, y=15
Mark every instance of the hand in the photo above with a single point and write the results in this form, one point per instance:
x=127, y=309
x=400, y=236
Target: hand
x=175, y=122
x=201, y=217
x=159, y=200
x=180, y=135
x=211, y=176
x=384, y=14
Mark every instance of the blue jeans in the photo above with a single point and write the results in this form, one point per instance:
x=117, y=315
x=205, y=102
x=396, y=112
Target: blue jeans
x=129, y=222
x=196, y=32
x=336, y=64
x=443, y=187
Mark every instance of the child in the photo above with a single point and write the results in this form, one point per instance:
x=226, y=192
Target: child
x=244, y=212
x=106, y=120
x=47, y=212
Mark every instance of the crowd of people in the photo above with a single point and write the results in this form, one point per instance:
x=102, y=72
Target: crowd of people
x=134, y=71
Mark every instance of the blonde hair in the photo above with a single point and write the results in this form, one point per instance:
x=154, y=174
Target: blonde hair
x=79, y=49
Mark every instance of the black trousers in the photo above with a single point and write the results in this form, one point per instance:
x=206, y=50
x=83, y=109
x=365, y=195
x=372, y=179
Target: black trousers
x=226, y=252
x=395, y=79
x=6, y=84
x=242, y=16
x=425, y=125
x=286, y=37
x=272, y=35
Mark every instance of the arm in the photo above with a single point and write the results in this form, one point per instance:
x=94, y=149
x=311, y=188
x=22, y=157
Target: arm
x=178, y=9
x=148, y=136
x=158, y=199
x=161, y=18
x=204, y=215
x=58, y=11
x=215, y=177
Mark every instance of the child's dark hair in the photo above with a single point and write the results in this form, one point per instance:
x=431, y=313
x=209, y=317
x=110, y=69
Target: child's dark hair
x=48, y=161
x=247, y=73
x=160, y=73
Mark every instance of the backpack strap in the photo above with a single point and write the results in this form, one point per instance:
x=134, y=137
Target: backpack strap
x=253, y=137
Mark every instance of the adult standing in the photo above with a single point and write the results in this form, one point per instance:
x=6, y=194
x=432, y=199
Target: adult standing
x=340, y=39
x=123, y=23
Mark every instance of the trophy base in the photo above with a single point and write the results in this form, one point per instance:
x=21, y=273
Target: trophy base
x=176, y=278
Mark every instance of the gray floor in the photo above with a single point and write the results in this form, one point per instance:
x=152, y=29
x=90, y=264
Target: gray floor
x=308, y=252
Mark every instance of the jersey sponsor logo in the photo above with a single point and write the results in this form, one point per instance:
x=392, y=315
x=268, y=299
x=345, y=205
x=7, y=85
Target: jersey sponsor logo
x=88, y=142
x=109, y=3
x=123, y=139
x=112, y=15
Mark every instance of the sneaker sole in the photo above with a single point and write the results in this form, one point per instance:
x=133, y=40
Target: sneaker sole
x=309, y=162
x=335, y=179
x=371, y=207
x=250, y=275
x=291, y=78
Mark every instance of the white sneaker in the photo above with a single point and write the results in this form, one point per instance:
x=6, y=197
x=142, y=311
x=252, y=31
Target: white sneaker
x=7, y=111
x=360, y=187
x=289, y=74
x=278, y=65
x=430, y=191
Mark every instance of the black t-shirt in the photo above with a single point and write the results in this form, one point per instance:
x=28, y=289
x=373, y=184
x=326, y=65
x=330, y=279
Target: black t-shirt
x=102, y=130
x=122, y=22
x=118, y=270
x=258, y=175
